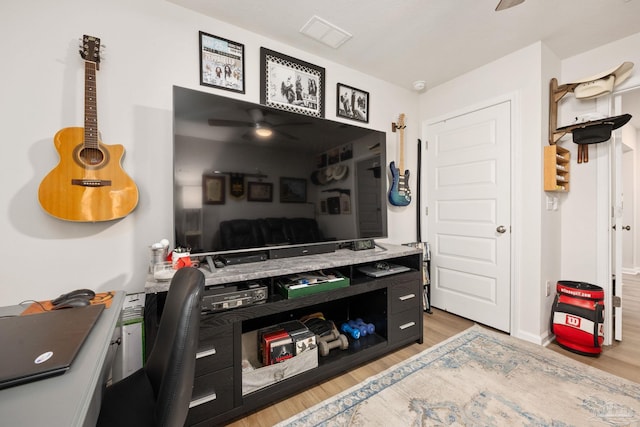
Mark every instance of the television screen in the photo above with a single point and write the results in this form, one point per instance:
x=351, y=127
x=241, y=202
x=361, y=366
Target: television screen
x=248, y=177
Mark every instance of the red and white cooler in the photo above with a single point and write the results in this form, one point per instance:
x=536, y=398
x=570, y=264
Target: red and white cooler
x=577, y=317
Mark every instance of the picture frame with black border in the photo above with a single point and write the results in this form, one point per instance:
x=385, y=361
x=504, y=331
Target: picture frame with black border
x=221, y=63
x=293, y=190
x=213, y=189
x=290, y=84
x=259, y=192
x=352, y=103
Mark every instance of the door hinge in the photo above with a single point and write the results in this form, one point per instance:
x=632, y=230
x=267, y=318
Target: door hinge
x=617, y=301
x=426, y=210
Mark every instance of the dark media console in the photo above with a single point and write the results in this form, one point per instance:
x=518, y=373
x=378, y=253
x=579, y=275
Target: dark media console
x=393, y=303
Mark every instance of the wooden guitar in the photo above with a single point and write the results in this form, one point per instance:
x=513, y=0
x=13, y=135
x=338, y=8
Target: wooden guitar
x=88, y=184
x=399, y=194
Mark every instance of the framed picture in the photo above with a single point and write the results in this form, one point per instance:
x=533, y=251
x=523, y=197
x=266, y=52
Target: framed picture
x=260, y=192
x=346, y=152
x=213, y=189
x=293, y=190
x=221, y=63
x=290, y=84
x=352, y=103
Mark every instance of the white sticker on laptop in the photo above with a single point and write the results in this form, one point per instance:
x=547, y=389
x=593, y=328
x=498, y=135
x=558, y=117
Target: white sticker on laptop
x=43, y=357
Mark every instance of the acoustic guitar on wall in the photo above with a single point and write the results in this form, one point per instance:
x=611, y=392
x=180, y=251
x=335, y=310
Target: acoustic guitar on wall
x=399, y=194
x=88, y=184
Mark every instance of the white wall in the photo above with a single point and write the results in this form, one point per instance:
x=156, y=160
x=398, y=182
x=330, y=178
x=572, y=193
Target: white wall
x=151, y=46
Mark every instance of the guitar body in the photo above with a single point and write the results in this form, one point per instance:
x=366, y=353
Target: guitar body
x=399, y=194
x=88, y=184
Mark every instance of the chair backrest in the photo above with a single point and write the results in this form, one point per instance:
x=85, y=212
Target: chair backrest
x=273, y=231
x=304, y=230
x=171, y=363
x=239, y=234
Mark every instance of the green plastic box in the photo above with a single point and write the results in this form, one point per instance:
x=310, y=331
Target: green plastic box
x=300, y=285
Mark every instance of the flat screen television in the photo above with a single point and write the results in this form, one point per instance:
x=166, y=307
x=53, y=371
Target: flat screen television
x=310, y=182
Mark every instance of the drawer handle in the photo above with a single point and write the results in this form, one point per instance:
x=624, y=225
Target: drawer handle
x=407, y=325
x=406, y=297
x=202, y=400
x=206, y=353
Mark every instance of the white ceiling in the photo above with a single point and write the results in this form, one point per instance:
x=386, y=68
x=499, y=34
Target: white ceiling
x=402, y=41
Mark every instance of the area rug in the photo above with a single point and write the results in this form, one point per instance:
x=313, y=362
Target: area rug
x=482, y=378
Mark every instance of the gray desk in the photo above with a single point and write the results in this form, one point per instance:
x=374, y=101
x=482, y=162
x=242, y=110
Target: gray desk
x=71, y=399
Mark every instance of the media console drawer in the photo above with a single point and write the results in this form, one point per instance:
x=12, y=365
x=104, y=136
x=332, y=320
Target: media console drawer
x=405, y=325
x=212, y=394
x=404, y=296
x=215, y=349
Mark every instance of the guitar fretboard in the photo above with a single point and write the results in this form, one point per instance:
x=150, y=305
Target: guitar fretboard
x=401, y=159
x=90, y=106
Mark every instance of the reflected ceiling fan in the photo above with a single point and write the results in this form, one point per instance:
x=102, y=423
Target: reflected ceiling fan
x=506, y=4
x=261, y=127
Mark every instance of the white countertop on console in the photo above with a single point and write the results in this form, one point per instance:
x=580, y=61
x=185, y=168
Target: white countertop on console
x=284, y=266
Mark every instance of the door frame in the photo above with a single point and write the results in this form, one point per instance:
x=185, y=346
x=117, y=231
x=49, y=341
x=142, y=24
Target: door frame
x=513, y=98
x=604, y=217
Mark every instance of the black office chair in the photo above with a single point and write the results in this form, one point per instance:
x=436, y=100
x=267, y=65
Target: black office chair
x=159, y=393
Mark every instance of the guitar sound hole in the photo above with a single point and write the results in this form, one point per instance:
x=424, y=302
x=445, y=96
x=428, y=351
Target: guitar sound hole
x=91, y=156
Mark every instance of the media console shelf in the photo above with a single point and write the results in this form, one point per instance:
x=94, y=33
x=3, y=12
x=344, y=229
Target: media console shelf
x=392, y=303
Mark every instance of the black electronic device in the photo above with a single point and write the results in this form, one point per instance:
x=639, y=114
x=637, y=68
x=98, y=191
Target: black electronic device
x=223, y=260
x=86, y=294
x=282, y=180
x=289, y=252
x=382, y=268
x=72, y=303
x=224, y=297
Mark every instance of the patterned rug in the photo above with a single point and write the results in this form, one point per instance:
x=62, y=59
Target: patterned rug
x=482, y=378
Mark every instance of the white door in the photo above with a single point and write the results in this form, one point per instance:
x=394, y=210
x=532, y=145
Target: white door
x=628, y=215
x=468, y=186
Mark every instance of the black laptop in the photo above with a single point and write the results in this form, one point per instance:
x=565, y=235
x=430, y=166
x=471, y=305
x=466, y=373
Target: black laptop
x=37, y=346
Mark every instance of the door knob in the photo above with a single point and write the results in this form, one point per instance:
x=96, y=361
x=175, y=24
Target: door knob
x=626, y=227
x=501, y=229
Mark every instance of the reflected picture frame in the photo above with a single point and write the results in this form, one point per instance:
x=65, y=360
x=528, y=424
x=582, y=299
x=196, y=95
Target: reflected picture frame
x=293, y=190
x=213, y=189
x=289, y=84
x=259, y=192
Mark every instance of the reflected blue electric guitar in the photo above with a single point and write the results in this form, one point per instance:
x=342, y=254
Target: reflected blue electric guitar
x=399, y=194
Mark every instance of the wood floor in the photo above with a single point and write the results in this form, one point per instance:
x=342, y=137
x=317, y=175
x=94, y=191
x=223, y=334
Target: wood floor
x=622, y=359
